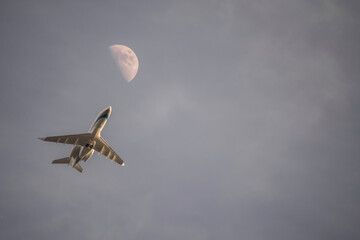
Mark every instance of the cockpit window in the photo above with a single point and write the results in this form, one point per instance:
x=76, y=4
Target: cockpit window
x=102, y=116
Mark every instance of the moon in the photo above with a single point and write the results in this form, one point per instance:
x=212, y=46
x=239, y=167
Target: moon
x=126, y=60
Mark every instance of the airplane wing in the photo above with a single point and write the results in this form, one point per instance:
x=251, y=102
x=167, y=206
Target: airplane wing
x=102, y=147
x=76, y=139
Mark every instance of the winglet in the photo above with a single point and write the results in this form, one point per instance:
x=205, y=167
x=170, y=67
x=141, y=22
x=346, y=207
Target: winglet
x=123, y=164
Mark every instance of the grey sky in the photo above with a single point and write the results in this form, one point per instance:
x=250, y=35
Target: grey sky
x=242, y=123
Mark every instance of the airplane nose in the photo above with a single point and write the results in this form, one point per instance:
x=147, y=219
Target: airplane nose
x=108, y=110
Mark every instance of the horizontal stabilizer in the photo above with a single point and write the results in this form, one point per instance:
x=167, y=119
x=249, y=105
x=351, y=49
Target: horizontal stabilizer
x=78, y=167
x=61, y=160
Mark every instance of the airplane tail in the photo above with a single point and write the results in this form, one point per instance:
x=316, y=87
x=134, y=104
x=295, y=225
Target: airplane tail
x=61, y=160
x=67, y=161
x=78, y=167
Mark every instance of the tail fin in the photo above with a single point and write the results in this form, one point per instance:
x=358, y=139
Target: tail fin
x=67, y=161
x=78, y=167
x=61, y=160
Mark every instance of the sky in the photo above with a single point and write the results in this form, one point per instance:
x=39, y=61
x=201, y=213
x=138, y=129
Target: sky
x=243, y=121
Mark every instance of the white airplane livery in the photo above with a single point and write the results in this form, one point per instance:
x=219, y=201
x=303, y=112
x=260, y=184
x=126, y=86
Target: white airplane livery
x=86, y=143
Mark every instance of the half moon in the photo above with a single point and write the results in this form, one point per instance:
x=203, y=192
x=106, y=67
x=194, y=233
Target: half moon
x=126, y=60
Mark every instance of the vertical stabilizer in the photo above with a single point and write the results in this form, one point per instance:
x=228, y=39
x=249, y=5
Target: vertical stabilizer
x=78, y=167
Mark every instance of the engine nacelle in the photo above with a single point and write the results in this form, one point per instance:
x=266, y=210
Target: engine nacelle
x=87, y=151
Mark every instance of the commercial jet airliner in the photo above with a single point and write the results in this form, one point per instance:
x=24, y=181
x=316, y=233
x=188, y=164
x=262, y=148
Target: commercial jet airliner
x=86, y=143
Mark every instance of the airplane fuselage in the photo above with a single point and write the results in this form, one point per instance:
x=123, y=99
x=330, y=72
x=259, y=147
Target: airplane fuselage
x=83, y=153
x=80, y=153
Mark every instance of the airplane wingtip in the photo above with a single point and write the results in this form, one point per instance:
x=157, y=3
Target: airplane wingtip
x=123, y=164
x=40, y=138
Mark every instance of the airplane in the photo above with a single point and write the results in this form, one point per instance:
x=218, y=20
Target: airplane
x=86, y=143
